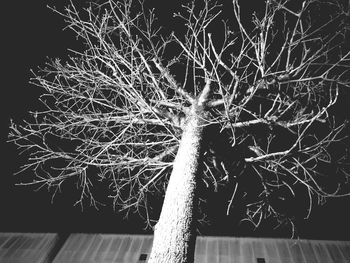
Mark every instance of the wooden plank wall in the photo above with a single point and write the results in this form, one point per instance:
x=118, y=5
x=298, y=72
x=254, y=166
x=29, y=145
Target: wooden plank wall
x=265, y=250
x=26, y=247
x=104, y=248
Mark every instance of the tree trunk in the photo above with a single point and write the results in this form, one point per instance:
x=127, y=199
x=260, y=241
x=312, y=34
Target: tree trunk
x=174, y=235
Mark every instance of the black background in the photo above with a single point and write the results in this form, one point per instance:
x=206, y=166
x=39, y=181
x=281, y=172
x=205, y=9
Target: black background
x=31, y=33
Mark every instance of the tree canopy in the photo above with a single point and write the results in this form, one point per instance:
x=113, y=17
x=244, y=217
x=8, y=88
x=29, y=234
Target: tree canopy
x=114, y=112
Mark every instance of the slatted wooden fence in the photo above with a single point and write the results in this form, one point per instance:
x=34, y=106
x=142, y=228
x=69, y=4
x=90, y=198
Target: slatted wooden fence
x=105, y=248
x=26, y=247
x=100, y=248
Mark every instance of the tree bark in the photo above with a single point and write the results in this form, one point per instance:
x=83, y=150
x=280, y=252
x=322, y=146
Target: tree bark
x=174, y=235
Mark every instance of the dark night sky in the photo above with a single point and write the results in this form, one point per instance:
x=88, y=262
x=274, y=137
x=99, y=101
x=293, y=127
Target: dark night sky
x=30, y=33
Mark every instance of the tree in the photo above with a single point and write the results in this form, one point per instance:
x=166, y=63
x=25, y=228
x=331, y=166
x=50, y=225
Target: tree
x=247, y=104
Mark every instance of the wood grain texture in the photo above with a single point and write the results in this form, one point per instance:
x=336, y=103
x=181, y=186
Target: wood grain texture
x=108, y=248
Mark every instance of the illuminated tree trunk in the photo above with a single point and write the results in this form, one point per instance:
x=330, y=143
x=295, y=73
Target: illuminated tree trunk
x=174, y=235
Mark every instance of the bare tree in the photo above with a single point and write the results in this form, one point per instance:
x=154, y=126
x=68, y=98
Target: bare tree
x=221, y=103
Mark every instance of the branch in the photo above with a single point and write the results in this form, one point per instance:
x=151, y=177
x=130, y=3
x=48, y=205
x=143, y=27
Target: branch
x=172, y=82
